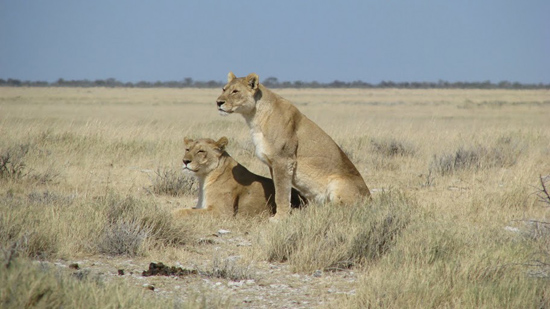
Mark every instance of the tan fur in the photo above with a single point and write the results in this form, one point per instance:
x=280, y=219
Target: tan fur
x=297, y=151
x=226, y=188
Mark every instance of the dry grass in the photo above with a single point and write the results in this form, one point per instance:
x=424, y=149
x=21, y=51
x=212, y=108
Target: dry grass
x=328, y=237
x=457, y=219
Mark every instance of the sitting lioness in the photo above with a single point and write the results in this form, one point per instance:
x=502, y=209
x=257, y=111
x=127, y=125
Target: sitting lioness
x=227, y=188
x=297, y=151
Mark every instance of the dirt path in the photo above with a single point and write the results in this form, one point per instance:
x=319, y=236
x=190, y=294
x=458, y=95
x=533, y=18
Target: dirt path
x=258, y=284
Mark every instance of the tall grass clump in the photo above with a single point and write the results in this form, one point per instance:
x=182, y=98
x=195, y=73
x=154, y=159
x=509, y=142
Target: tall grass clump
x=228, y=269
x=380, y=151
x=122, y=238
x=392, y=147
x=503, y=152
x=45, y=225
x=26, y=227
x=133, y=225
x=538, y=231
x=12, y=164
x=438, y=264
x=331, y=237
x=173, y=183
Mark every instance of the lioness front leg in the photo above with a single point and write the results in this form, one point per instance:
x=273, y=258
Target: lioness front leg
x=282, y=171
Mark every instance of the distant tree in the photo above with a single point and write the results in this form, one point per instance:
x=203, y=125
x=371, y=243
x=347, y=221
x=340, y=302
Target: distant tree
x=60, y=82
x=504, y=84
x=443, y=84
x=337, y=84
x=111, y=82
x=298, y=84
x=143, y=84
x=213, y=84
x=386, y=84
x=14, y=82
x=271, y=82
x=187, y=82
x=286, y=84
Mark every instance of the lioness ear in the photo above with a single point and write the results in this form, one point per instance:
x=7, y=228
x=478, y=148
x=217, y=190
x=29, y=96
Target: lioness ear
x=252, y=80
x=230, y=77
x=187, y=140
x=221, y=143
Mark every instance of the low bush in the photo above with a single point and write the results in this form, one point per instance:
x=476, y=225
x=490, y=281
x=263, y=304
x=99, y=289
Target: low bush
x=12, y=164
x=330, y=237
x=391, y=147
x=503, y=153
x=174, y=183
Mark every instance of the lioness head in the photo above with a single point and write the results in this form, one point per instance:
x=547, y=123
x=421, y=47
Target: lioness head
x=202, y=155
x=239, y=94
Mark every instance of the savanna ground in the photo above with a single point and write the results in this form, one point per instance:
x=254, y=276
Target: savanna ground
x=89, y=178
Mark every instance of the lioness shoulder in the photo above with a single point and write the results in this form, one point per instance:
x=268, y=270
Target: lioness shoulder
x=298, y=152
x=226, y=188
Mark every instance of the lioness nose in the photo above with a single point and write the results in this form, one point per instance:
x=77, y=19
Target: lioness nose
x=220, y=103
x=186, y=161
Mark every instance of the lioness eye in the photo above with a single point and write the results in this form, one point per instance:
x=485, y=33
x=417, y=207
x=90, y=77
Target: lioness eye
x=186, y=149
x=235, y=91
x=200, y=151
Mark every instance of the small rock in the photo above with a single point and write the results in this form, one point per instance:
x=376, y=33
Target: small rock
x=121, y=272
x=318, y=273
x=511, y=229
x=250, y=282
x=149, y=286
x=81, y=274
x=234, y=284
x=206, y=241
x=74, y=266
x=223, y=232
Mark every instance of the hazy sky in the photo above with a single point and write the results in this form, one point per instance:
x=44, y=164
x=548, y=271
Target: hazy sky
x=398, y=40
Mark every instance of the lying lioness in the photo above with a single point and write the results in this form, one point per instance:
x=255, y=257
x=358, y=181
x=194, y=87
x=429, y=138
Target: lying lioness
x=297, y=151
x=227, y=188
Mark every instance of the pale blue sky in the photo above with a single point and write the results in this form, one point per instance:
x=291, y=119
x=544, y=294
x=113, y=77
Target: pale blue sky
x=398, y=40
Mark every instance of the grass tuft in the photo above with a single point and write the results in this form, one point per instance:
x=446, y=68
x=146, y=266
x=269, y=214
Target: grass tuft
x=228, y=269
x=131, y=221
x=173, y=183
x=122, y=238
x=391, y=147
x=503, y=153
x=24, y=230
x=329, y=237
x=12, y=165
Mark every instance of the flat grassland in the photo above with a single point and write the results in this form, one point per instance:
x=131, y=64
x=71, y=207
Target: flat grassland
x=89, y=178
